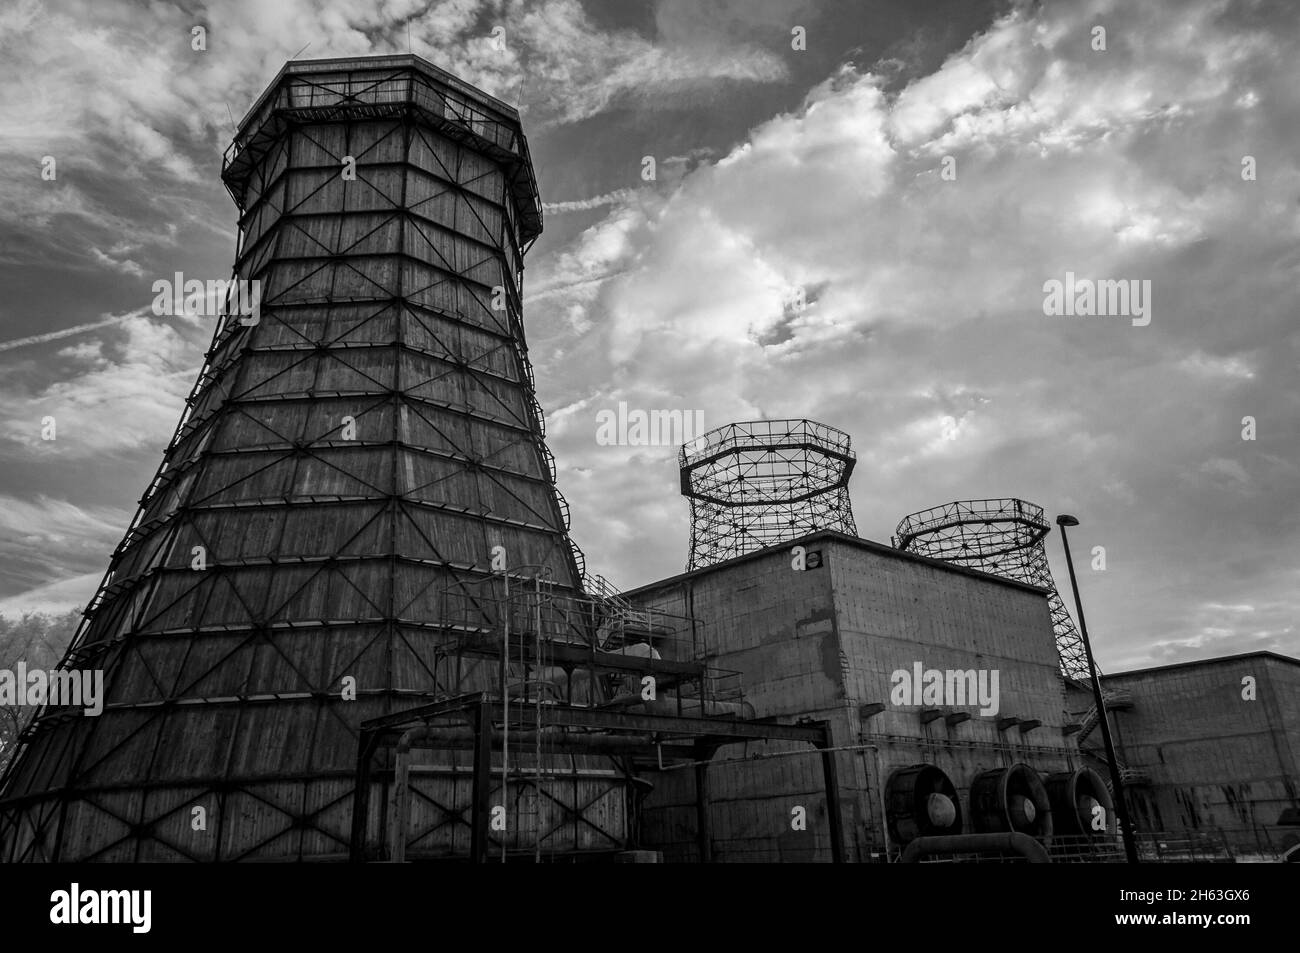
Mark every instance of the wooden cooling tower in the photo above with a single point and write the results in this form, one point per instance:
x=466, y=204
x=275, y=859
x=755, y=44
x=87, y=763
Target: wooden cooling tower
x=354, y=452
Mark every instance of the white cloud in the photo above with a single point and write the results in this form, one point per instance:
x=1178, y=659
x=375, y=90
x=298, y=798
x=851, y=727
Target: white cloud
x=924, y=295
x=125, y=111
x=1121, y=166
x=583, y=205
x=104, y=322
x=1226, y=472
x=74, y=592
x=125, y=265
x=113, y=403
x=45, y=538
x=1208, y=365
x=575, y=71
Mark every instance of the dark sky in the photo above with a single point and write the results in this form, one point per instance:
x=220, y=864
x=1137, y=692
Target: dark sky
x=924, y=334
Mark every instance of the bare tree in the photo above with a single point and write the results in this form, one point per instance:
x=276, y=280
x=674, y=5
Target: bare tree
x=40, y=641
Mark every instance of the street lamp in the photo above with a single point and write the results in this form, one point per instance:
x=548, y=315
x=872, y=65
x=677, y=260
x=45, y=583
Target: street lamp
x=1121, y=810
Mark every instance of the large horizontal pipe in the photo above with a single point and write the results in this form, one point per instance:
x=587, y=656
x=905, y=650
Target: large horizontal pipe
x=430, y=737
x=1016, y=842
x=666, y=704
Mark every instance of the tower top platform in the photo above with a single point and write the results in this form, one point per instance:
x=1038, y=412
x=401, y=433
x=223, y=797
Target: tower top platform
x=382, y=87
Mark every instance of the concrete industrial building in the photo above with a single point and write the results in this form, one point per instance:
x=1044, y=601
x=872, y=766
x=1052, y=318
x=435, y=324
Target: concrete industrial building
x=823, y=642
x=1207, y=771
x=1212, y=746
x=828, y=626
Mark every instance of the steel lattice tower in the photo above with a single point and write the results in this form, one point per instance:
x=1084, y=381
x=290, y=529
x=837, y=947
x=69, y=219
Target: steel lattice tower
x=1003, y=537
x=759, y=483
x=344, y=463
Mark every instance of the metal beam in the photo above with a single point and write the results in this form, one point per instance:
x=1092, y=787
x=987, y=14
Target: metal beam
x=457, y=703
x=481, y=794
x=575, y=653
x=361, y=796
x=720, y=730
x=1016, y=842
x=618, y=729
x=703, y=829
x=832, y=779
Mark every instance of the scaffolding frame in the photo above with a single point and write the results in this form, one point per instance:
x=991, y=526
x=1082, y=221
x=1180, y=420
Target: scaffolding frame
x=1004, y=537
x=758, y=483
x=540, y=638
x=695, y=740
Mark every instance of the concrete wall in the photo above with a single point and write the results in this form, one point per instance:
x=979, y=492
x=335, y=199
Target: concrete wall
x=1215, y=759
x=892, y=613
x=821, y=643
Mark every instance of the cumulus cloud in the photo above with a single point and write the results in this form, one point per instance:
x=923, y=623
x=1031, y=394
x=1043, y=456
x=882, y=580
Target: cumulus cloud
x=115, y=105
x=827, y=263
x=574, y=71
x=927, y=339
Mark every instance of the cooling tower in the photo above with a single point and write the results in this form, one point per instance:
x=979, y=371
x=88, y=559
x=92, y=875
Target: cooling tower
x=1003, y=537
x=352, y=456
x=759, y=483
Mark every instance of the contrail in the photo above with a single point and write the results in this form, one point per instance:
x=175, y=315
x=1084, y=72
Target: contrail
x=581, y=205
x=570, y=286
x=69, y=332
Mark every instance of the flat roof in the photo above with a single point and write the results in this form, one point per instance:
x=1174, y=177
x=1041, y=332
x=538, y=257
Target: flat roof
x=385, y=61
x=838, y=537
x=1218, y=660
x=513, y=156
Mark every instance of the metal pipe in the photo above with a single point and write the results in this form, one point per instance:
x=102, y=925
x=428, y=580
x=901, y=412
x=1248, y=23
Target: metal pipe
x=481, y=810
x=667, y=703
x=796, y=753
x=555, y=739
x=831, y=779
x=703, y=834
x=505, y=706
x=1017, y=842
x=880, y=794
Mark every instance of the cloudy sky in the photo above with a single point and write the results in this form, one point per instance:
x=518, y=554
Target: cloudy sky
x=923, y=335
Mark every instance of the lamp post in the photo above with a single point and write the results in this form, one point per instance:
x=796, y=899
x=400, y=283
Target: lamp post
x=1121, y=810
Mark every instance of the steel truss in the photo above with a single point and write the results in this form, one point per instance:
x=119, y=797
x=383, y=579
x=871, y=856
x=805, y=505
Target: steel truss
x=1002, y=537
x=437, y=726
x=759, y=483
